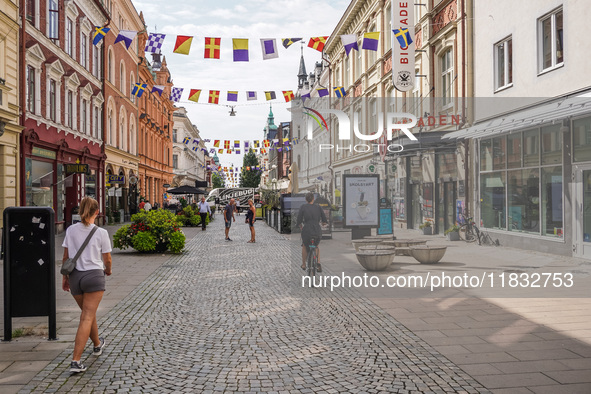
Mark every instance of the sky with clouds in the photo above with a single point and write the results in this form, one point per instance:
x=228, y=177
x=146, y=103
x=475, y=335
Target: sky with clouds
x=252, y=19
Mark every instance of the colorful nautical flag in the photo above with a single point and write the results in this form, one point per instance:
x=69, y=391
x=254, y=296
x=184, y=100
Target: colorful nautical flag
x=226, y=144
x=305, y=94
x=138, y=89
x=317, y=43
x=214, y=97
x=245, y=144
x=266, y=143
x=216, y=143
x=194, y=95
x=322, y=92
x=99, y=34
x=287, y=42
x=220, y=151
x=269, y=47
x=237, y=151
x=212, y=47
x=236, y=144
x=403, y=37
x=126, y=36
x=183, y=44
x=370, y=41
x=339, y=91
x=186, y=140
x=240, y=46
x=349, y=42
x=288, y=95
x=256, y=143
x=195, y=148
x=295, y=140
x=270, y=96
x=195, y=141
x=158, y=89
x=232, y=96
x=154, y=44
x=263, y=151
x=175, y=94
x=286, y=141
x=251, y=96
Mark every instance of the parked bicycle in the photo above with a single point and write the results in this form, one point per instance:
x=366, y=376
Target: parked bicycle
x=468, y=230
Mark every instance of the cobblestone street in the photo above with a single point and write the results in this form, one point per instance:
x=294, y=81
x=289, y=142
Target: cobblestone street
x=230, y=316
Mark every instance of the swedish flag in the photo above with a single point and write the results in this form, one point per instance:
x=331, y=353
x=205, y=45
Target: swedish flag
x=340, y=91
x=403, y=37
x=99, y=34
x=138, y=89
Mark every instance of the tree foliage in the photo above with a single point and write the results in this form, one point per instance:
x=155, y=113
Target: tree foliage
x=217, y=181
x=252, y=177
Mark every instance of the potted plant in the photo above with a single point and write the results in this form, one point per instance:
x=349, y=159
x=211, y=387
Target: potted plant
x=453, y=233
x=426, y=228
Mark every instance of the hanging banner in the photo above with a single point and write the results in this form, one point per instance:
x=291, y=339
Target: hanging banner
x=403, y=46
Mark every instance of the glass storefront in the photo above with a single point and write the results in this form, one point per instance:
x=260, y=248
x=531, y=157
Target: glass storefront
x=521, y=185
x=40, y=184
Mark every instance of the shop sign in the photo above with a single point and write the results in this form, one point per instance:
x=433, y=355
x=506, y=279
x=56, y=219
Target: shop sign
x=133, y=179
x=77, y=168
x=90, y=178
x=40, y=152
x=115, y=179
x=371, y=168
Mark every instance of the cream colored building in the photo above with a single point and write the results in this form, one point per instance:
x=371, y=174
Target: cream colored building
x=9, y=105
x=188, y=158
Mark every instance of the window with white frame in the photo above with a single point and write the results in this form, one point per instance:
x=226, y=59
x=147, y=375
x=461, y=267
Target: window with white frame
x=175, y=161
x=347, y=71
x=52, y=100
x=96, y=66
x=122, y=78
x=371, y=55
x=84, y=50
x=32, y=10
x=551, y=40
x=69, y=36
x=110, y=66
x=70, y=109
x=373, y=120
x=338, y=77
x=53, y=20
x=110, y=132
x=84, y=116
x=447, y=77
x=132, y=138
x=174, y=135
x=31, y=89
x=358, y=61
x=131, y=86
x=388, y=29
x=503, y=63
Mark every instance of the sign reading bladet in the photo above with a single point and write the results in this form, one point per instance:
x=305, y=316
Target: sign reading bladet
x=403, y=46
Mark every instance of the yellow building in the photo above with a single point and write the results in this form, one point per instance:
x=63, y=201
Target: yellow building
x=9, y=105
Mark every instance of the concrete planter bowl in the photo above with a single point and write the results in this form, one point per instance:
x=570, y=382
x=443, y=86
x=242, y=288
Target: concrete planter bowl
x=403, y=245
x=379, y=247
x=375, y=260
x=427, y=254
x=386, y=237
x=365, y=242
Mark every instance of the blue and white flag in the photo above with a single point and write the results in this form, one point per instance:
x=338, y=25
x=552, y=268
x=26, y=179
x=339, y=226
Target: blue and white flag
x=176, y=94
x=269, y=46
x=349, y=42
x=158, y=89
x=126, y=36
x=154, y=44
x=251, y=96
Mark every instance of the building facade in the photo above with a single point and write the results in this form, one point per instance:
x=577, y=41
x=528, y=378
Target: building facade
x=427, y=179
x=532, y=134
x=63, y=106
x=155, y=125
x=121, y=111
x=10, y=129
x=188, y=151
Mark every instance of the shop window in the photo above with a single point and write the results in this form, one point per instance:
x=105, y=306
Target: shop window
x=582, y=139
x=531, y=148
x=551, y=145
x=514, y=150
x=551, y=208
x=492, y=197
x=499, y=148
x=41, y=184
x=90, y=184
x=524, y=199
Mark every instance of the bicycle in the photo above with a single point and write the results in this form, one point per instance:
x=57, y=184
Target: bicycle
x=312, y=261
x=468, y=231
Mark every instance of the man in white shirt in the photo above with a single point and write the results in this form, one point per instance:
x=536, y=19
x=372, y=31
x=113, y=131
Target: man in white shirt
x=238, y=207
x=204, y=209
x=147, y=206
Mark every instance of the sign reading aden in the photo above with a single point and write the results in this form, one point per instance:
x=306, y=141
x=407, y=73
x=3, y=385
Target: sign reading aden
x=403, y=51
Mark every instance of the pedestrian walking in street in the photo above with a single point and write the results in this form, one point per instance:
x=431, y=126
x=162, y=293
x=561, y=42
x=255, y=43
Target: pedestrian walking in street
x=250, y=217
x=156, y=205
x=87, y=281
x=238, y=207
x=203, y=211
x=229, y=217
x=141, y=205
x=309, y=217
x=147, y=206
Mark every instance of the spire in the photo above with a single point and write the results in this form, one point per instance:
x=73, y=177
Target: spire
x=271, y=120
x=302, y=75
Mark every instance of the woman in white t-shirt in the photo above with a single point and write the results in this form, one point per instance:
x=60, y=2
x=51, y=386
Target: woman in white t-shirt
x=87, y=281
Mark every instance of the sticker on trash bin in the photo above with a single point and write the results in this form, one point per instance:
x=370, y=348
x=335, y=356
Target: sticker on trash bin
x=41, y=262
x=43, y=242
x=41, y=225
x=12, y=229
x=36, y=220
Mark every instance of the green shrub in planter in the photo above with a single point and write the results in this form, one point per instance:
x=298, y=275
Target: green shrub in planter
x=454, y=228
x=176, y=244
x=122, y=238
x=144, y=242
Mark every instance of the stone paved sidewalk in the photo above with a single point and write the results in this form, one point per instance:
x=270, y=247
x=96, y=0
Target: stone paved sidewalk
x=230, y=316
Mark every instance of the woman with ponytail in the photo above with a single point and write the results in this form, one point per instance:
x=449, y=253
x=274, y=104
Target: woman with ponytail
x=87, y=281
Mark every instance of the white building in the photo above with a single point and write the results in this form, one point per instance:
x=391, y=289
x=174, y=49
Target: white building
x=188, y=151
x=532, y=134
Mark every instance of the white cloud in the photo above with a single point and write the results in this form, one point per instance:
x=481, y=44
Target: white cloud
x=253, y=19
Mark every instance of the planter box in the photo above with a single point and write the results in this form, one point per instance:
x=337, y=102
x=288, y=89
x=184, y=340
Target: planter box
x=453, y=236
x=427, y=230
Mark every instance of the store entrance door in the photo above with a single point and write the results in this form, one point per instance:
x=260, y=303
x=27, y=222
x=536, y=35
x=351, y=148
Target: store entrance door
x=416, y=202
x=449, y=197
x=582, y=212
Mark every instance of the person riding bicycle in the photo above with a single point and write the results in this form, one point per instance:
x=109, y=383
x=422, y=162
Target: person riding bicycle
x=310, y=215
